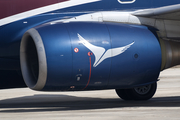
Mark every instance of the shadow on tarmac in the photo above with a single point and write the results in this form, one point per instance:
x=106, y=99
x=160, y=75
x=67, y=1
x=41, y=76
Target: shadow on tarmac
x=40, y=103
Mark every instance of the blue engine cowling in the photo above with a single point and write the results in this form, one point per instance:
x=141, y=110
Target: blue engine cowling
x=89, y=56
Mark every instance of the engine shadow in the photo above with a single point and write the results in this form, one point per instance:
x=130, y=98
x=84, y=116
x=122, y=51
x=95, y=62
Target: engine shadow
x=39, y=103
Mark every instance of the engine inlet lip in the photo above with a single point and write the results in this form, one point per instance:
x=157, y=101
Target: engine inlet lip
x=42, y=77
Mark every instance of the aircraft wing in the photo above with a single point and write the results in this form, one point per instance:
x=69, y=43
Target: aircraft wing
x=171, y=12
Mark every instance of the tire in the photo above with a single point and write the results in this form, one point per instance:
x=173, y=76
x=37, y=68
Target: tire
x=124, y=94
x=149, y=91
x=138, y=93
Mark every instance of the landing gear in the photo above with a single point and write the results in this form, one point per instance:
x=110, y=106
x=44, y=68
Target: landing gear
x=138, y=93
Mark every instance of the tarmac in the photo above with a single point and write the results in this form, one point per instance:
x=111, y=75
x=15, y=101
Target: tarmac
x=25, y=104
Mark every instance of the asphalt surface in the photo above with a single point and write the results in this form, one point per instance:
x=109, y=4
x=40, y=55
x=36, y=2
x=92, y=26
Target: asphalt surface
x=25, y=104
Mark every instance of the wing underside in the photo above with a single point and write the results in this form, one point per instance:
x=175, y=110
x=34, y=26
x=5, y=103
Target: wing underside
x=171, y=12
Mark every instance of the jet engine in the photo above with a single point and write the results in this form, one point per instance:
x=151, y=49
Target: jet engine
x=89, y=56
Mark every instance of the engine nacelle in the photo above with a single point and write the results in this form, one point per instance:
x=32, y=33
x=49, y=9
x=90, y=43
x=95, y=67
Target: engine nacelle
x=89, y=56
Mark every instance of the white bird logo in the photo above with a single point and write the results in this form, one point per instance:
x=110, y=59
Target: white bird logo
x=99, y=52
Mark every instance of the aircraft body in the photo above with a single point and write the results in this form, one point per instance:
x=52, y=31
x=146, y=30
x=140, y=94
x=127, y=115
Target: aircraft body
x=74, y=45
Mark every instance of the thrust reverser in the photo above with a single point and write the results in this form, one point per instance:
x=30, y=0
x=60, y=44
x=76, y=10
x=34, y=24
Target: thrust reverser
x=89, y=56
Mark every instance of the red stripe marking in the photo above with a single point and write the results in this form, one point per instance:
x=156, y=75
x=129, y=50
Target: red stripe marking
x=89, y=74
x=12, y=7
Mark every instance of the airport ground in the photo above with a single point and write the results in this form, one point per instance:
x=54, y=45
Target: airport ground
x=25, y=104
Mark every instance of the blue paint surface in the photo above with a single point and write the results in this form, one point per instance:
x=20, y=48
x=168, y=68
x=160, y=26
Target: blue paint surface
x=139, y=64
x=140, y=69
x=12, y=33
